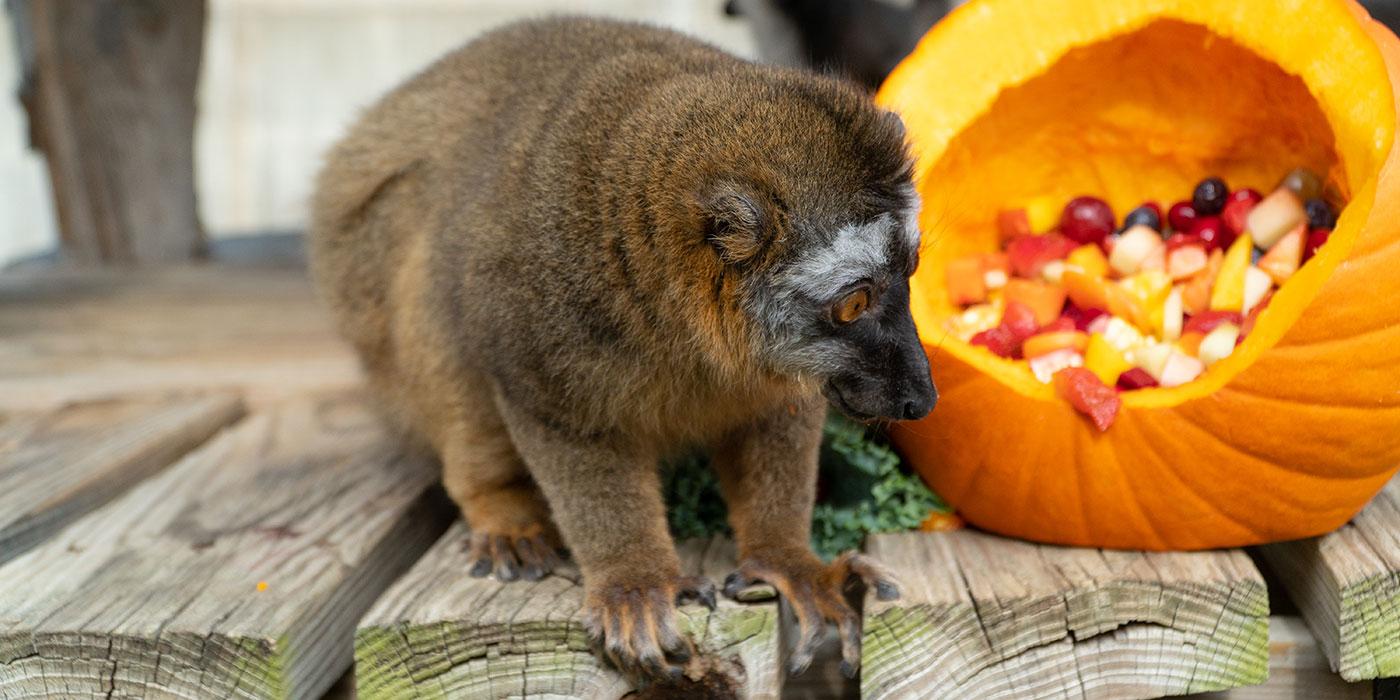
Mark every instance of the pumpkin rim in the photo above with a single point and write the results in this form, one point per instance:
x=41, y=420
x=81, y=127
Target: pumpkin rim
x=1362, y=143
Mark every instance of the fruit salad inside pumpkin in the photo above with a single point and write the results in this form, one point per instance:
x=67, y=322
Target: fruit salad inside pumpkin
x=1090, y=304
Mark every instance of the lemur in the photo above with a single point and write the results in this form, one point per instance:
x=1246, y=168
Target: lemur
x=573, y=247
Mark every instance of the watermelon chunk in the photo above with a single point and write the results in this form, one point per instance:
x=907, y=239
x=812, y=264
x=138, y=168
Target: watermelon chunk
x=1088, y=395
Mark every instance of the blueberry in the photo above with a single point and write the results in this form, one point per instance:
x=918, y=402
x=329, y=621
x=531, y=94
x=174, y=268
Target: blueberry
x=1319, y=213
x=1146, y=215
x=1209, y=197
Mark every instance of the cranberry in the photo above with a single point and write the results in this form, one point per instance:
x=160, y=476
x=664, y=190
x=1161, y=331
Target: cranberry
x=1136, y=378
x=1209, y=197
x=1237, y=210
x=1319, y=213
x=1149, y=215
x=1315, y=240
x=1211, y=231
x=1181, y=216
x=1086, y=220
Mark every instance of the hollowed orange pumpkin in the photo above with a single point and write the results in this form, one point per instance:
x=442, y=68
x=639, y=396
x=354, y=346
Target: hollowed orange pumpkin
x=1007, y=100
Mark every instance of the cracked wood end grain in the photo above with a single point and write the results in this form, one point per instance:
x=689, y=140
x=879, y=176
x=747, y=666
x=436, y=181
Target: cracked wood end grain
x=438, y=632
x=987, y=617
x=160, y=592
x=1346, y=584
x=57, y=465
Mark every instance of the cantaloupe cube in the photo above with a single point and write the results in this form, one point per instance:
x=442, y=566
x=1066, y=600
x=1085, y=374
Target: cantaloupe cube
x=964, y=279
x=1088, y=259
x=1045, y=300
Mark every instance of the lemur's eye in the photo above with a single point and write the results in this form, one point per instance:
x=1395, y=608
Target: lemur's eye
x=851, y=306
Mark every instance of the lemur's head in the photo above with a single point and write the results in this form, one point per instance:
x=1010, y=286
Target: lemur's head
x=816, y=221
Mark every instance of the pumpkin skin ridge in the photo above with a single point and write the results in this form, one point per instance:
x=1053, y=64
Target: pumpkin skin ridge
x=1364, y=247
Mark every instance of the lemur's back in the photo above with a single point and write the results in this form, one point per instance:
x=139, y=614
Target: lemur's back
x=485, y=164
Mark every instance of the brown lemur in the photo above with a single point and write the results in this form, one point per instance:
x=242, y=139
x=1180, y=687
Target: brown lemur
x=574, y=247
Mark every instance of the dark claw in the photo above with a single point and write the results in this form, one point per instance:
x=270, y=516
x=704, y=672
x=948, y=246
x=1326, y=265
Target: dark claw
x=505, y=572
x=697, y=590
x=849, y=670
x=798, y=664
x=884, y=590
x=733, y=584
x=481, y=568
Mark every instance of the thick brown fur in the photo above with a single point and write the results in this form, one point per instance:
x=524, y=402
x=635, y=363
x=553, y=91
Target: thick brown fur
x=545, y=249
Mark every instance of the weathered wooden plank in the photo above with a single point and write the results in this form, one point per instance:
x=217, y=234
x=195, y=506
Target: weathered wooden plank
x=74, y=335
x=1298, y=670
x=237, y=572
x=987, y=617
x=1347, y=586
x=56, y=466
x=441, y=633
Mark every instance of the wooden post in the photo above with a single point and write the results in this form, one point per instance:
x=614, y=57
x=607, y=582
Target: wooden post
x=1346, y=584
x=440, y=633
x=109, y=87
x=988, y=617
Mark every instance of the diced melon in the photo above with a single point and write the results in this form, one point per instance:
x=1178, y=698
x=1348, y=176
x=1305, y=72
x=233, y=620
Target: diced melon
x=1012, y=223
x=1043, y=213
x=965, y=283
x=1186, y=262
x=1218, y=344
x=1085, y=290
x=1283, y=259
x=1190, y=343
x=1276, y=215
x=1170, y=316
x=1104, y=360
x=1257, y=283
x=1045, y=300
x=1195, y=296
x=1228, y=292
x=1088, y=259
x=1046, y=343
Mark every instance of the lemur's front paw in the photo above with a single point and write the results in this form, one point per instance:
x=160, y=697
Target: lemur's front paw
x=528, y=555
x=633, y=623
x=816, y=593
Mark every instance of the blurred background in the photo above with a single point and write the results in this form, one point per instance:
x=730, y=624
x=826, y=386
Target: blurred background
x=279, y=80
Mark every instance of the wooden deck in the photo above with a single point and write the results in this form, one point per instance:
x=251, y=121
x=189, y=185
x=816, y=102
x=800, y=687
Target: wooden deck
x=196, y=501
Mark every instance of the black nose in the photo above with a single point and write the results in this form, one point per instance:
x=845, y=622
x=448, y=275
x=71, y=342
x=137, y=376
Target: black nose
x=919, y=406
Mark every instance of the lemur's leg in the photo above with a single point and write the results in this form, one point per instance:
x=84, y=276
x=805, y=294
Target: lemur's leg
x=768, y=474
x=606, y=499
x=511, y=533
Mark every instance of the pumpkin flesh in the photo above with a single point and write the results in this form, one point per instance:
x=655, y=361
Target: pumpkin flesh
x=1130, y=100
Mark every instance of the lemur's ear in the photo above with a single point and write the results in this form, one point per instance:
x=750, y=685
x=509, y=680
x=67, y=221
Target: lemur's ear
x=736, y=222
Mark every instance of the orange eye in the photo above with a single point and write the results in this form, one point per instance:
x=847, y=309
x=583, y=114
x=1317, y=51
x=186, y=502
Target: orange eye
x=851, y=306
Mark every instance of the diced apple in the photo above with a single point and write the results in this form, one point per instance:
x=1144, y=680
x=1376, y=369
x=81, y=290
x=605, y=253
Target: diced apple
x=1218, y=344
x=1228, y=292
x=1171, y=316
x=994, y=279
x=1151, y=358
x=1278, y=214
x=1122, y=335
x=1179, y=369
x=1053, y=271
x=1257, y=283
x=1045, y=366
x=1046, y=343
x=1088, y=259
x=1187, y=261
x=1283, y=259
x=1133, y=248
x=1045, y=300
x=1104, y=360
